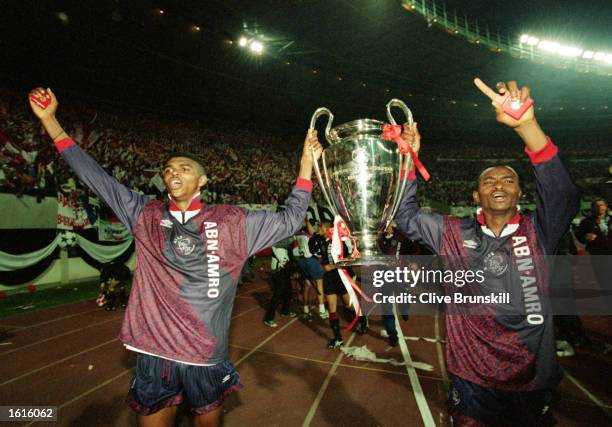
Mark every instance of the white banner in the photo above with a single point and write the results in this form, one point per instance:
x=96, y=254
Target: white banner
x=71, y=214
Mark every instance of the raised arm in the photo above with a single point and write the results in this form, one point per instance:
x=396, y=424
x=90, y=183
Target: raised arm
x=126, y=204
x=557, y=199
x=415, y=224
x=266, y=228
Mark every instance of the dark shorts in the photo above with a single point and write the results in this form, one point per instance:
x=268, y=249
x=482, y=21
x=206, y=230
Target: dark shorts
x=312, y=268
x=332, y=283
x=159, y=383
x=473, y=405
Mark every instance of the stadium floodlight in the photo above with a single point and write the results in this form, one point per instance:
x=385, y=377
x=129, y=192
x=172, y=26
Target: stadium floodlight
x=588, y=54
x=547, y=46
x=599, y=56
x=257, y=46
x=533, y=41
x=524, y=38
x=243, y=41
x=570, y=51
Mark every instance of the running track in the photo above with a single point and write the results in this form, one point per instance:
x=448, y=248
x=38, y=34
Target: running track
x=70, y=357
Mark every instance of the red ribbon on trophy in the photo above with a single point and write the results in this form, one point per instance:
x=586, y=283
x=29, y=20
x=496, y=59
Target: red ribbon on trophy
x=393, y=133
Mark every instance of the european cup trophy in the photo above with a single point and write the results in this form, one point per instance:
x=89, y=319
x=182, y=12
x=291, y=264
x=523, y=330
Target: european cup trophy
x=361, y=180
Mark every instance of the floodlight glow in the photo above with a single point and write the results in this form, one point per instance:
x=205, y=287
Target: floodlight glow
x=524, y=38
x=549, y=46
x=588, y=54
x=532, y=41
x=570, y=51
x=256, y=46
x=243, y=41
x=608, y=59
x=599, y=56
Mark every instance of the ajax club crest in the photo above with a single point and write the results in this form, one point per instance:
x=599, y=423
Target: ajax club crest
x=496, y=263
x=184, y=245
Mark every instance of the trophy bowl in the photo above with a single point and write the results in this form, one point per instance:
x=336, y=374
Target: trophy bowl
x=361, y=180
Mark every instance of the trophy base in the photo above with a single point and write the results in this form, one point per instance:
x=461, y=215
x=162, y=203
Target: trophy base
x=368, y=260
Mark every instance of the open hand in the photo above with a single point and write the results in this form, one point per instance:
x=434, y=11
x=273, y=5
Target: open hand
x=43, y=103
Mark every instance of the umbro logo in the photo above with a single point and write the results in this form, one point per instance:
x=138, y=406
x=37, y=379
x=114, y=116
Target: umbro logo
x=470, y=244
x=166, y=223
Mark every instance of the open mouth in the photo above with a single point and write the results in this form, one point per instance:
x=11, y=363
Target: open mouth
x=175, y=184
x=499, y=196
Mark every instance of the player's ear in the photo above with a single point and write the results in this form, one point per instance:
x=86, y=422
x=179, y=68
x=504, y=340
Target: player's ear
x=202, y=181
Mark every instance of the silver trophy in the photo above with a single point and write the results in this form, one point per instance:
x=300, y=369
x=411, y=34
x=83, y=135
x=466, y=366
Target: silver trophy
x=361, y=179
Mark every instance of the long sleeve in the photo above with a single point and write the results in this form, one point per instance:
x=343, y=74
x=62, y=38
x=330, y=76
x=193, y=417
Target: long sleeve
x=126, y=204
x=557, y=198
x=415, y=224
x=266, y=228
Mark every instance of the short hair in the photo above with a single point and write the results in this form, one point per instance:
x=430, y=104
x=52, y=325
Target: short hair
x=594, y=203
x=493, y=167
x=187, y=155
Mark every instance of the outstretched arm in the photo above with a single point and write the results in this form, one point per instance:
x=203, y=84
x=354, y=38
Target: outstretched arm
x=126, y=204
x=266, y=228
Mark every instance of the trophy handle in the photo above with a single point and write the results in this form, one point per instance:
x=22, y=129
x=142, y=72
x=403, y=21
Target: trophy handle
x=324, y=185
x=398, y=103
x=404, y=158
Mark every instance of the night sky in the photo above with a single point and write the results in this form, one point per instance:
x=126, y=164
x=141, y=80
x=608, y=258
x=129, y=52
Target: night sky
x=349, y=55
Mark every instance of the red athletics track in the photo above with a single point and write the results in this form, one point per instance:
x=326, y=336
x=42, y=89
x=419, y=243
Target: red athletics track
x=70, y=357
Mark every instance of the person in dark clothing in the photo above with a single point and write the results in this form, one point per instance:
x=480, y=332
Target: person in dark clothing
x=320, y=247
x=189, y=257
x=113, y=281
x=596, y=232
x=504, y=358
x=285, y=271
x=395, y=245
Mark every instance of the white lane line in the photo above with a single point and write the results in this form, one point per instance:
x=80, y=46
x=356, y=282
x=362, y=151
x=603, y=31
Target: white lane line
x=315, y=405
x=59, y=336
x=414, y=379
x=93, y=348
x=441, y=360
x=261, y=344
x=590, y=395
x=11, y=326
x=88, y=392
x=250, y=291
x=57, y=319
x=72, y=356
x=110, y=380
x=245, y=312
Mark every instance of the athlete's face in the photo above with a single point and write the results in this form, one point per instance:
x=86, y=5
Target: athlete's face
x=601, y=208
x=498, y=190
x=183, y=178
x=324, y=229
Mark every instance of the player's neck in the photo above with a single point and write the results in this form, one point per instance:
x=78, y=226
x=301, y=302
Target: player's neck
x=183, y=203
x=496, y=220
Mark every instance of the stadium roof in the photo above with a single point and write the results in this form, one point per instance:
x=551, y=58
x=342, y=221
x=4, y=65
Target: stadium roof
x=349, y=55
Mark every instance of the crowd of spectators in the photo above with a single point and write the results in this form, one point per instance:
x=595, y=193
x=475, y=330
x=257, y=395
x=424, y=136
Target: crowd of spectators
x=243, y=165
